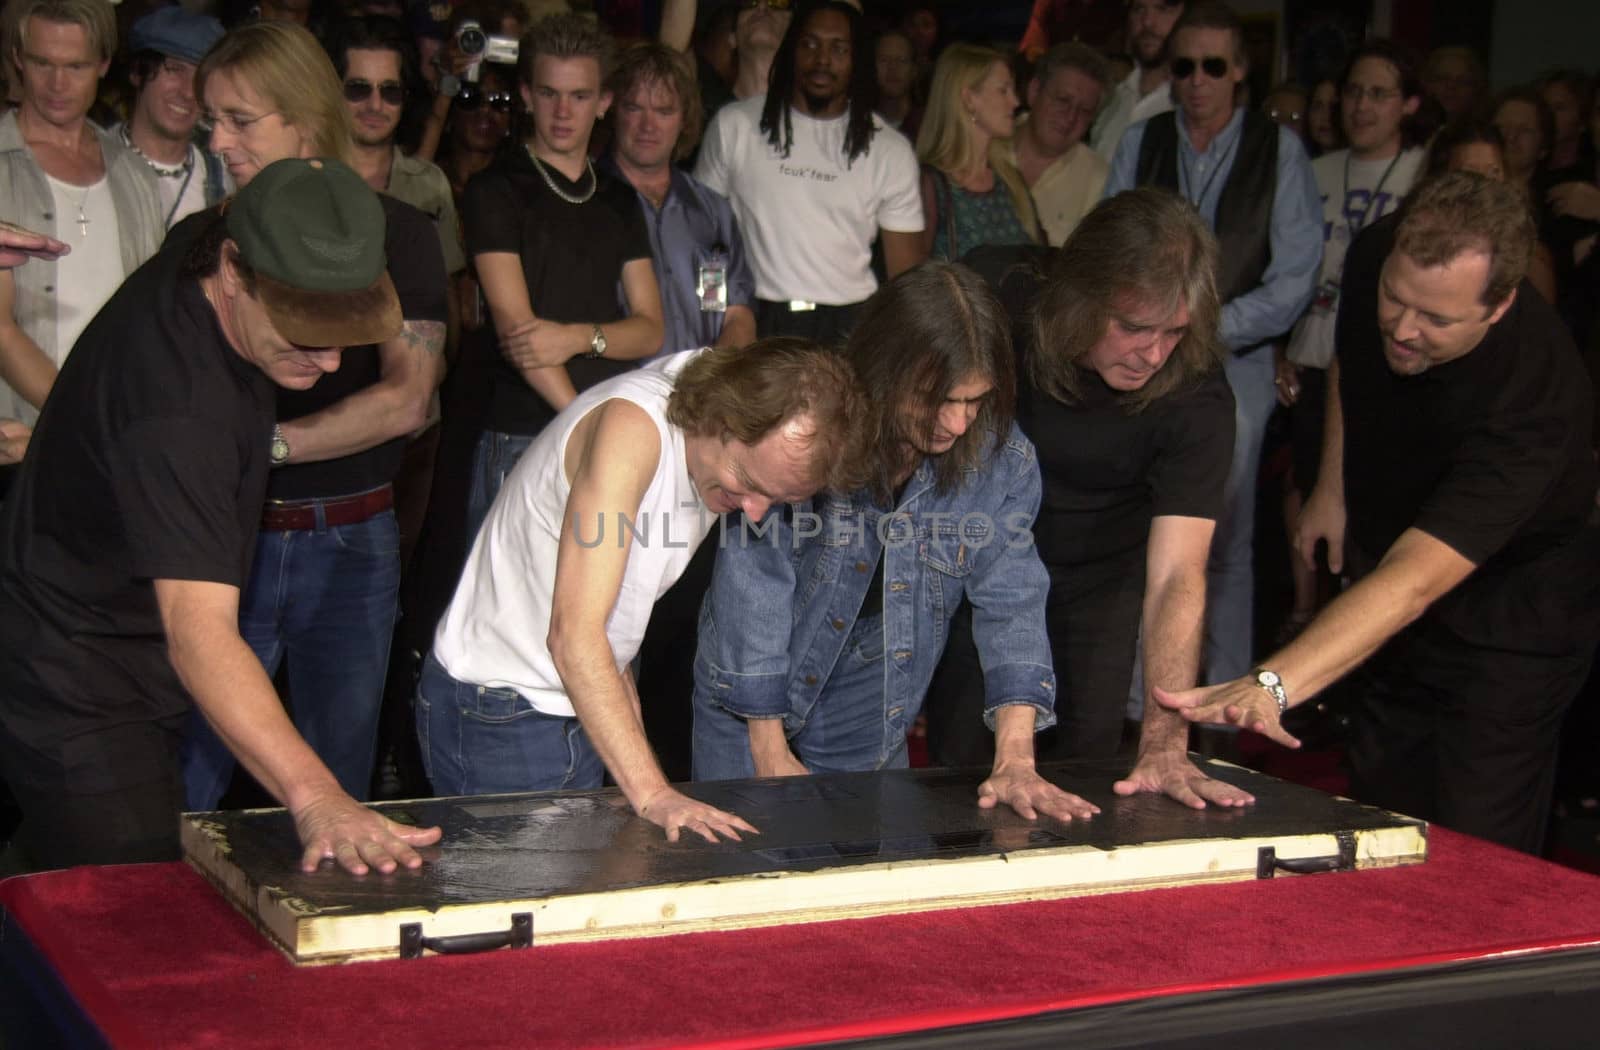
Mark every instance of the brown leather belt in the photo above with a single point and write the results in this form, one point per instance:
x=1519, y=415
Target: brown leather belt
x=288, y=515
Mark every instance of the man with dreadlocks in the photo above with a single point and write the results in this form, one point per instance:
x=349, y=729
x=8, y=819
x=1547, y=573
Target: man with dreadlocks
x=814, y=175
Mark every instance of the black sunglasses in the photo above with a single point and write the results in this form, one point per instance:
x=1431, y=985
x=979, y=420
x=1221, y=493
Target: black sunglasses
x=1212, y=66
x=499, y=101
x=358, y=90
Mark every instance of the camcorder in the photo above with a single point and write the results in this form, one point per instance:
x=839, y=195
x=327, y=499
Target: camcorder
x=483, y=47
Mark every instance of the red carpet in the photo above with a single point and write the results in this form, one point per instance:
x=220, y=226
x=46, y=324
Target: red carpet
x=160, y=961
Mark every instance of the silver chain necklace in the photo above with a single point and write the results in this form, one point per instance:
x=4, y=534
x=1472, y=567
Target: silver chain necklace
x=594, y=180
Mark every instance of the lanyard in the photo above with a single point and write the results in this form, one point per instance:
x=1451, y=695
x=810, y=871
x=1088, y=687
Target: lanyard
x=1357, y=227
x=188, y=173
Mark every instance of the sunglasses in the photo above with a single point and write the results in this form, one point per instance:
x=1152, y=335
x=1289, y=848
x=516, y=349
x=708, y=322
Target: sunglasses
x=776, y=5
x=1212, y=66
x=358, y=90
x=500, y=102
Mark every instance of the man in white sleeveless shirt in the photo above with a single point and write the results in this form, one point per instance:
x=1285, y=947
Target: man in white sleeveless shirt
x=528, y=686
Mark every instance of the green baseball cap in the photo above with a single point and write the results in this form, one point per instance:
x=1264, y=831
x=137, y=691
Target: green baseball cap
x=313, y=231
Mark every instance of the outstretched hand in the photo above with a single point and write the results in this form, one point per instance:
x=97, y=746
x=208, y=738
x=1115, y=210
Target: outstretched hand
x=1240, y=702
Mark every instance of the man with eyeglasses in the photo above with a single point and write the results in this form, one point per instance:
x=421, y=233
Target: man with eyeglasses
x=322, y=593
x=1359, y=185
x=1251, y=181
x=1063, y=174
x=1146, y=90
x=62, y=176
x=167, y=44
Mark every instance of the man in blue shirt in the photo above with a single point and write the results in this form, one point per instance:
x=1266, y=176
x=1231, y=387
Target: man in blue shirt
x=707, y=289
x=1251, y=181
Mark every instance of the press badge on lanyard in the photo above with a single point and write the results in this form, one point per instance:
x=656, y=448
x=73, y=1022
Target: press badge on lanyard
x=711, y=282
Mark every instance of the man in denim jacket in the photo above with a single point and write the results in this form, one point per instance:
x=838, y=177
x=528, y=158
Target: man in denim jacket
x=825, y=621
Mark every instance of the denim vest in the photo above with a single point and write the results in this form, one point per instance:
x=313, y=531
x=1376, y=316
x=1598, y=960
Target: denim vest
x=786, y=592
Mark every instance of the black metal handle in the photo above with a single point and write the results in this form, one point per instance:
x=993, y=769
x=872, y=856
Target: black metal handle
x=520, y=935
x=1268, y=864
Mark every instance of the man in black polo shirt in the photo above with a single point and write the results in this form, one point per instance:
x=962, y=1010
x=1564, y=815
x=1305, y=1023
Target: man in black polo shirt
x=1457, y=485
x=130, y=531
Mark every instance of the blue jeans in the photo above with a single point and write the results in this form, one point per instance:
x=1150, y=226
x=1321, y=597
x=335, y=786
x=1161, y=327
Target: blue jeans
x=484, y=740
x=325, y=598
x=1230, y=576
x=847, y=730
x=492, y=460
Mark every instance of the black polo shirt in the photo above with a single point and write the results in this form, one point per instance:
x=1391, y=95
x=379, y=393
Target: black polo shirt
x=1488, y=453
x=149, y=462
x=572, y=258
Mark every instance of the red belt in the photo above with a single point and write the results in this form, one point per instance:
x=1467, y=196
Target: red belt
x=287, y=515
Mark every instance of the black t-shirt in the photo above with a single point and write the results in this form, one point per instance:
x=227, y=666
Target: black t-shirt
x=1488, y=453
x=149, y=462
x=572, y=258
x=1108, y=472
x=416, y=266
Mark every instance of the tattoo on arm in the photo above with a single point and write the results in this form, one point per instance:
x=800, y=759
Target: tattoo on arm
x=426, y=336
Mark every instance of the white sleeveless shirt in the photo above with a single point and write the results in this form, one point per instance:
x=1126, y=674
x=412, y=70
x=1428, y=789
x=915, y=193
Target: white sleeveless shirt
x=494, y=632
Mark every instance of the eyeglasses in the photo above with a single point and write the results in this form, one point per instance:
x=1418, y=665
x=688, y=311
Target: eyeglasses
x=1212, y=66
x=358, y=90
x=776, y=5
x=1374, y=94
x=233, y=123
x=499, y=101
x=1286, y=116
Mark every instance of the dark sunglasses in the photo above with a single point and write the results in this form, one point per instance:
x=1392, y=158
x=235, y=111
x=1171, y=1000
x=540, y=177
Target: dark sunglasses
x=500, y=102
x=1212, y=66
x=776, y=5
x=390, y=91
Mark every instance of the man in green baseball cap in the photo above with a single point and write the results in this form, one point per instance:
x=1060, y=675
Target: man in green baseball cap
x=128, y=535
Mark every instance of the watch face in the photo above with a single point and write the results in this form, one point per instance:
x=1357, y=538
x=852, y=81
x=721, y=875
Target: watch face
x=279, y=451
x=1268, y=678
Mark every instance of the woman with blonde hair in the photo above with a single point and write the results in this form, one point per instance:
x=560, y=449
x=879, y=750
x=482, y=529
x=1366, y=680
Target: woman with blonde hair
x=971, y=192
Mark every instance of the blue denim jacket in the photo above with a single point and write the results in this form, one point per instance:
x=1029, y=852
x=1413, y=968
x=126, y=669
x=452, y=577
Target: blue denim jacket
x=786, y=592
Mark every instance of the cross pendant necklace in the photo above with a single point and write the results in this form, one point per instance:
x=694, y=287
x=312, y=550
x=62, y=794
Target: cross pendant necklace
x=83, y=216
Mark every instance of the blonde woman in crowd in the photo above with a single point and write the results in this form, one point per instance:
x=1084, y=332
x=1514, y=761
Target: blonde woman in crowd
x=971, y=193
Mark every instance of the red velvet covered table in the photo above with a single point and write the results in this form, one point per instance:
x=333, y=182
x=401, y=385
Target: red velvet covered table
x=151, y=956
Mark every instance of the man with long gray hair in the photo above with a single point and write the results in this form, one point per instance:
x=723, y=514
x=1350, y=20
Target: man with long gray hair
x=1123, y=391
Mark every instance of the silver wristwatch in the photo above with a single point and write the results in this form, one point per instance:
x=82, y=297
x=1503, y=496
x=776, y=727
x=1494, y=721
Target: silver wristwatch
x=597, y=343
x=278, y=447
x=1270, y=681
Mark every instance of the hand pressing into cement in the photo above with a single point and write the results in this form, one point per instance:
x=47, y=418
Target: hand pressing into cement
x=1171, y=773
x=675, y=812
x=358, y=839
x=1021, y=787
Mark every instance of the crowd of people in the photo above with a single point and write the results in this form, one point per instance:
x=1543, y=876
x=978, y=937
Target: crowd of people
x=423, y=398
